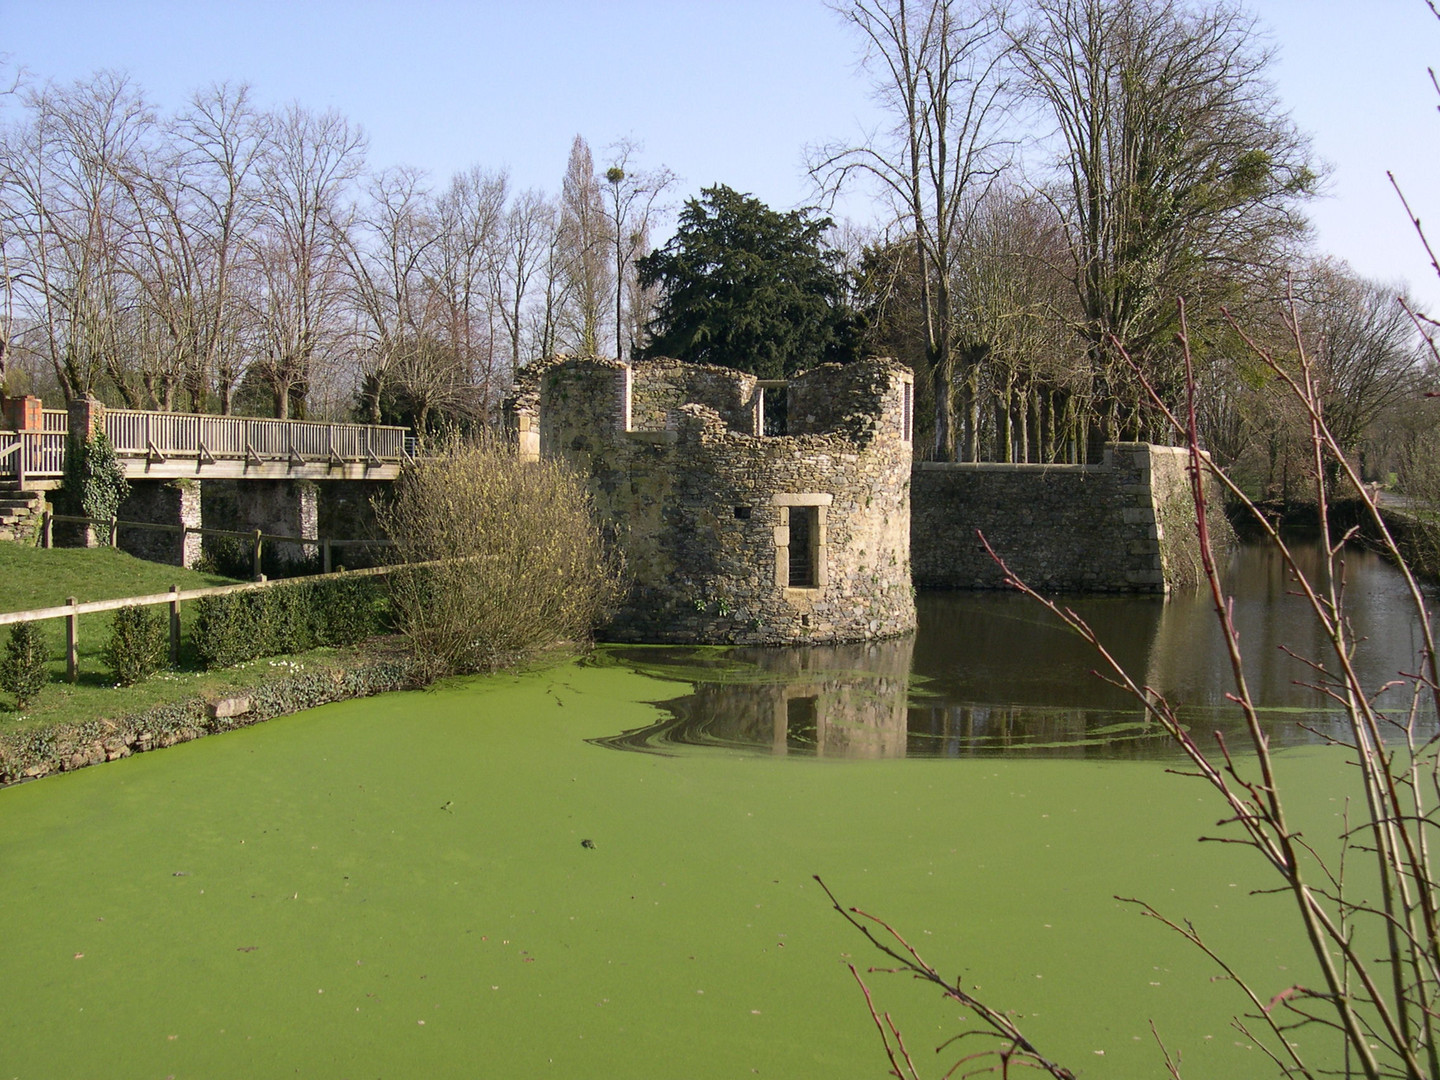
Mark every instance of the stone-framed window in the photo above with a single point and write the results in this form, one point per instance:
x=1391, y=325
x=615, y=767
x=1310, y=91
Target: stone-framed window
x=801, y=546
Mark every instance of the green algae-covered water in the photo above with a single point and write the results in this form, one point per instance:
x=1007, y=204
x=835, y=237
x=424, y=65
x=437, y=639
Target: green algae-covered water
x=401, y=887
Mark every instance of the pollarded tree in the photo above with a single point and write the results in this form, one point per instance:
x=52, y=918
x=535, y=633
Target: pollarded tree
x=746, y=287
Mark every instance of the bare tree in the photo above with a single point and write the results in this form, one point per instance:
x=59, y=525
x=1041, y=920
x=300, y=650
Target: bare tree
x=938, y=70
x=556, y=290
x=194, y=197
x=70, y=219
x=7, y=249
x=530, y=226
x=460, y=276
x=631, y=195
x=393, y=233
x=1176, y=171
x=1364, y=349
x=300, y=247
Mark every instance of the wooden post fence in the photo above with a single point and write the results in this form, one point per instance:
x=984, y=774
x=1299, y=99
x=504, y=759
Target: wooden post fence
x=72, y=609
x=257, y=538
x=72, y=641
x=174, y=624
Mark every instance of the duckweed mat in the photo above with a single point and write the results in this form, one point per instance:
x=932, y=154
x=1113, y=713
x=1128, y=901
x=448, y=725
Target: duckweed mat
x=455, y=883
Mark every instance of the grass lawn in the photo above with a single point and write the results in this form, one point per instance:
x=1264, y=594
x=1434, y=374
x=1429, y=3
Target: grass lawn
x=37, y=578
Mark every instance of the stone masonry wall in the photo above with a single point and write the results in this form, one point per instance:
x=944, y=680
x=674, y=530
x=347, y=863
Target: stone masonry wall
x=163, y=502
x=21, y=517
x=1127, y=525
x=276, y=507
x=661, y=386
x=702, y=511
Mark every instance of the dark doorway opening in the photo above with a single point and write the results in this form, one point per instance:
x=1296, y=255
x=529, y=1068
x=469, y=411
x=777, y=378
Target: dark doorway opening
x=803, y=534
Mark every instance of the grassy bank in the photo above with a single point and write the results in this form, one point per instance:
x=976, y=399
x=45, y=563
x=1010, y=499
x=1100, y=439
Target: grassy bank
x=69, y=719
x=33, y=578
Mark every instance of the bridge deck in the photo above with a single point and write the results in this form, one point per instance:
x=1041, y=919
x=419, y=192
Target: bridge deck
x=161, y=446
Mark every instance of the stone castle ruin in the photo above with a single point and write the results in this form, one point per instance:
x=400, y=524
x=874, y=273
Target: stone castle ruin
x=730, y=535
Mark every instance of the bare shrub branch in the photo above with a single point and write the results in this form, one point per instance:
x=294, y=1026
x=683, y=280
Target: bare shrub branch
x=518, y=561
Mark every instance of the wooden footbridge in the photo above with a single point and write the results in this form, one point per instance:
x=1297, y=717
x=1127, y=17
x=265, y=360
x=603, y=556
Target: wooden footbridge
x=169, y=446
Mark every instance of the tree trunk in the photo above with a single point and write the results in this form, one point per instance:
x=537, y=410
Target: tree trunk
x=944, y=413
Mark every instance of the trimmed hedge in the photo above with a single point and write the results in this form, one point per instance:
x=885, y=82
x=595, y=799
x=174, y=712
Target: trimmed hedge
x=288, y=618
x=139, y=644
x=22, y=669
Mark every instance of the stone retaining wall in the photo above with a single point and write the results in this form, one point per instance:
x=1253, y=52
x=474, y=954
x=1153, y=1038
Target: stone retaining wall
x=24, y=527
x=32, y=754
x=1127, y=525
x=163, y=502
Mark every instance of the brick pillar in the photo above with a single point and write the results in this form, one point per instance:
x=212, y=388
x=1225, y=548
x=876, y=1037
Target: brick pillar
x=24, y=413
x=87, y=416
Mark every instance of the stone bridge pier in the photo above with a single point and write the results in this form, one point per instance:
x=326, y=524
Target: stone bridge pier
x=162, y=502
x=307, y=509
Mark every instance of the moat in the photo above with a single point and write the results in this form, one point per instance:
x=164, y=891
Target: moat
x=992, y=673
x=460, y=878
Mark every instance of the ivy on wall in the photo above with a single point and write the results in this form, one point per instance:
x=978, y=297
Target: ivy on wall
x=94, y=484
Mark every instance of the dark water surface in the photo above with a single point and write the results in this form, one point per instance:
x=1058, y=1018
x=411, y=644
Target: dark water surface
x=994, y=673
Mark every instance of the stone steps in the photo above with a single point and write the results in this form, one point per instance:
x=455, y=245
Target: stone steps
x=20, y=513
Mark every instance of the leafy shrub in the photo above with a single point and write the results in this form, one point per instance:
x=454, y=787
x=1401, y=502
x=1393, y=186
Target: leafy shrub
x=289, y=620
x=139, y=644
x=22, y=670
x=518, y=562
x=345, y=611
x=230, y=629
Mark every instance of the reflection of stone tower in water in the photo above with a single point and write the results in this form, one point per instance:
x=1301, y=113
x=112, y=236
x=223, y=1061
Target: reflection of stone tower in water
x=731, y=535
x=845, y=700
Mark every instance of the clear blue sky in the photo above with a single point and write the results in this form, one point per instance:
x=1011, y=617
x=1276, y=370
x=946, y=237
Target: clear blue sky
x=719, y=90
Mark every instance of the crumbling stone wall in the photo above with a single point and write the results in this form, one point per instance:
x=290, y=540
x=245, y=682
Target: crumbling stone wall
x=659, y=387
x=1127, y=525
x=702, y=508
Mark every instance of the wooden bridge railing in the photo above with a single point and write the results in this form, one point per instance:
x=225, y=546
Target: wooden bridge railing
x=160, y=436
x=138, y=434
x=32, y=454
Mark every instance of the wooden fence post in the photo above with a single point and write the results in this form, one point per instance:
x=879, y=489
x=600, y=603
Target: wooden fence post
x=72, y=641
x=325, y=556
x=174, y=625
x=47, y=528
x=258, y=575
x=114, y=531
